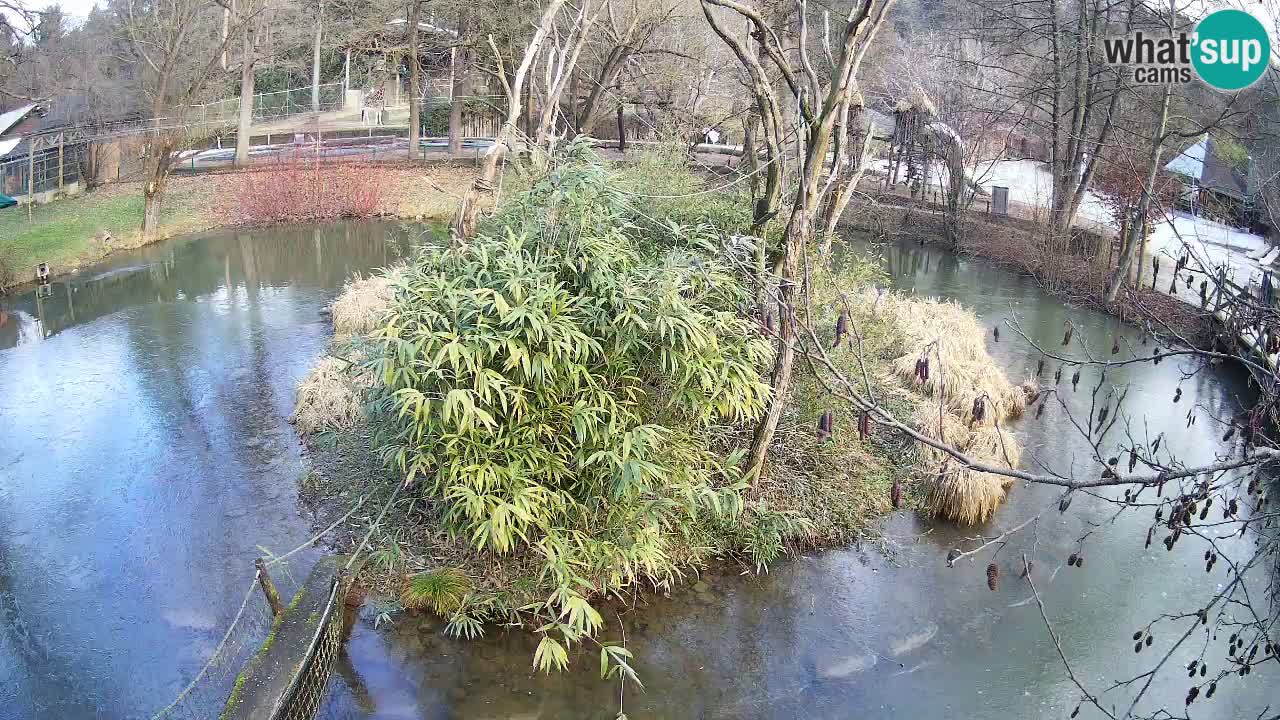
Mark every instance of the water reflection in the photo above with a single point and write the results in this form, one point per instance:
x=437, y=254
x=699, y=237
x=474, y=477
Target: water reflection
x=860, y=633
x=146, y=457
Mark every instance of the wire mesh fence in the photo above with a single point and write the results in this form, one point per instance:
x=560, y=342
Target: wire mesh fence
x=310, y=685
x=270, y=106
x=214, y=683
x=49, y=169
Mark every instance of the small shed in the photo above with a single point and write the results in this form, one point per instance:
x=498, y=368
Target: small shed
x=1217, y=183
x=40, y=153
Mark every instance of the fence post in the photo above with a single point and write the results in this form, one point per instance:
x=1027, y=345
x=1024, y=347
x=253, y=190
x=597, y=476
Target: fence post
x=268, y=588
x=61, y=148
x=31, y=177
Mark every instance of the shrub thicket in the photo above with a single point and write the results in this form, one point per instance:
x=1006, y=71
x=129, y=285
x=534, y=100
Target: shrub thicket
x=300, y=189
x=551, y=383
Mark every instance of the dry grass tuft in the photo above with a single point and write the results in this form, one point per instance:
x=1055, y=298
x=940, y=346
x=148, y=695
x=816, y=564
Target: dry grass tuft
x=955, y=492
x=362, y=304
x=959, y=364
x=330, y=397
x=962, y=371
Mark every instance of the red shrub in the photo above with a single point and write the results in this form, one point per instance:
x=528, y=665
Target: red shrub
x=300, y=189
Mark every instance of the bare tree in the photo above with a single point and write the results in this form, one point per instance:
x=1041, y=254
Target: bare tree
x=561, y=62
x=823, y=105
x=464, y=225
x=178, y=44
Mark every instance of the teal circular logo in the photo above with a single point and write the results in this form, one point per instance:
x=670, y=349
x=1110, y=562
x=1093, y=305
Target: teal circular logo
x=1232, y=49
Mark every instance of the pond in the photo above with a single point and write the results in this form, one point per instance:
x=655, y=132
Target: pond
x=147, y=455
x=148, y=460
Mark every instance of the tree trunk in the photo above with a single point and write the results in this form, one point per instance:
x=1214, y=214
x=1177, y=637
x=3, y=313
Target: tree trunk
x=749, y=165
x=622, y=130
x=783, y=363
x=464, y=225
x=315, y=59
x=461, y=88
x=247, y=63
x=154, y=189
x=1138, y=222
x=415, y=79
x=593, y=108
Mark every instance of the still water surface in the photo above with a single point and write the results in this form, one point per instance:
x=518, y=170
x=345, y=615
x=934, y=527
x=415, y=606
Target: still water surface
x=146, y=456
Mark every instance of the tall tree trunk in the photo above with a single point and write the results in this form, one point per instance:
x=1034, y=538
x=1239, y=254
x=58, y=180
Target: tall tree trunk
x=461, y=73
x=247, y=64
x=464, y=225
x=415, y=79
x=1138, y=221
x=157, y=182
x=315, y=59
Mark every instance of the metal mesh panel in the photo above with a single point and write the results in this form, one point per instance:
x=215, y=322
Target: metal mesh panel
x=15, y=173
x=310, y=686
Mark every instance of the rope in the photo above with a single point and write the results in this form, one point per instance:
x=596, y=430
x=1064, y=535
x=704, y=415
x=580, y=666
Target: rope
x=216, y=651
x=281, y=558
x=360, y=548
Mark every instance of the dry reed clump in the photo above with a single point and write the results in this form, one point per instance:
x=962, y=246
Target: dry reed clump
x=956, y=492
x=363, y=301
x=330, y=397
x=955, y=344
x=962, y=370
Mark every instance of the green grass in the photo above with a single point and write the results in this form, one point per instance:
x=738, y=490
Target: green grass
x=62, y=233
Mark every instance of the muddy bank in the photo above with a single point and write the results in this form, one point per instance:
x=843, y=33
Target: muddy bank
x=1013, y=243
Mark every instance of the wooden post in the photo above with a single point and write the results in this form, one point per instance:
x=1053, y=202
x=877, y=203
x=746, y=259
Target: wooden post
x=31, y=177
x=622, y=133
x=268, y=587
x=61, y=148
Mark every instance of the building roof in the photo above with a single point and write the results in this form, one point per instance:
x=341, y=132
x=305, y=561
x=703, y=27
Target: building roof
x=1202, y=163
x=13, y=117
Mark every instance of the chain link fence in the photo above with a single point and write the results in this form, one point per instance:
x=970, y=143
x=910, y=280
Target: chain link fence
x=269, y=106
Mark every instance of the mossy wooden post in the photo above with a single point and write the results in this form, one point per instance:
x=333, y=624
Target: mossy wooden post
x=268, y=588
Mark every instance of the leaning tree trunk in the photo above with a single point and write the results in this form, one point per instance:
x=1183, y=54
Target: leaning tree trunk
x=415, y=79
x=593, y=107
x=464, y=225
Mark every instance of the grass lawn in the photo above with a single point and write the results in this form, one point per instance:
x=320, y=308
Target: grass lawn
x=61, y=231
x=64, y=233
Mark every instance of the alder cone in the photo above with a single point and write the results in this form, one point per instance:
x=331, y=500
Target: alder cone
x=993, y=577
